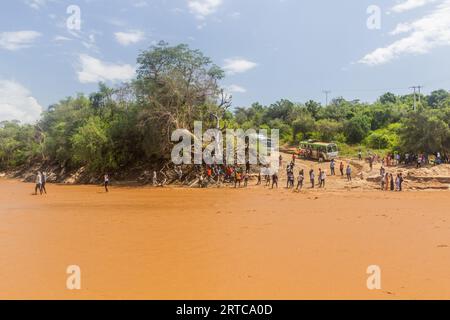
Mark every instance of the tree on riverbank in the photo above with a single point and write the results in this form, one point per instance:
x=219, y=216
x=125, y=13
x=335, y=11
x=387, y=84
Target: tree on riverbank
x=130, y=124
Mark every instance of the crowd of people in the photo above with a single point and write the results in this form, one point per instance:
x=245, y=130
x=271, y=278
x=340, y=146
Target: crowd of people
x=239, y=176
x=408, y=159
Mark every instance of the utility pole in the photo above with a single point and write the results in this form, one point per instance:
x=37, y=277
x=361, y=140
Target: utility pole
x=327, y=92
x=416, y=90
x=420, y=88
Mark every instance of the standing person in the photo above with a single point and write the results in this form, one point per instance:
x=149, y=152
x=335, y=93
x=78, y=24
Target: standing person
x=371, y=163
x=400, y=182
x=267, y=180
x=301, y=178
x=291, y=178
x=360, y=155
x=323, y=177
x=391, y=178
x=332, y=166
x=275, y=180
x=319, y=178
x=155, y=179
x=44, y=182
x=259, y=179
x=246, y=177
x=349, y=173
x=382, y=172
x=293, y=158
x=106, y=182
x=383, y=181
x=179, y=172
x=312, y=178
x=281, y=161
x=38, y=186
x=237, y=179
x=341, y=167
x=386, y=182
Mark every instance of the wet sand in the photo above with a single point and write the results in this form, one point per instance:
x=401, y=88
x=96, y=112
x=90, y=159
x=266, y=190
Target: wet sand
x=144, y=243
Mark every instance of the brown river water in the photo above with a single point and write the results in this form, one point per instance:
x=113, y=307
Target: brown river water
x=173, y=243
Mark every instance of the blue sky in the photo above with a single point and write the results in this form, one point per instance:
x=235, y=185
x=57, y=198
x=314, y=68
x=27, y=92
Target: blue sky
x=271, y=49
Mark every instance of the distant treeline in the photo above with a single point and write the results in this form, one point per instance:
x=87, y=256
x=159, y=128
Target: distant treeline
x=132, y=124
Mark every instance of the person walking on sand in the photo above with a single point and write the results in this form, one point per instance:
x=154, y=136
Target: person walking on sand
x=349, y=173
x=341, y=168
x=312, y=178
x=44, y=182
x=259, y=179
x=383, y=181
x=300, y=179
x=391, y=178
x=38, y=186
x=106, y=182
x=332, y=167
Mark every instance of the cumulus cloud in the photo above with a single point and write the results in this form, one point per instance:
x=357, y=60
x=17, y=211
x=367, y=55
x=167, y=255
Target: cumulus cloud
x=203, y=8
x=130, y=37
x=16, y=103
x=419, y=37
x=18, y=40
x=93, y=70
x=238, y=65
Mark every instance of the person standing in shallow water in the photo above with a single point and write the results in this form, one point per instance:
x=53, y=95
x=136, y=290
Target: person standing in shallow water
x=106, y=182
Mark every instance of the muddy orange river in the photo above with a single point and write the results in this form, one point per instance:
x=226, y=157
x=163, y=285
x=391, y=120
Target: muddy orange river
x=144, y=243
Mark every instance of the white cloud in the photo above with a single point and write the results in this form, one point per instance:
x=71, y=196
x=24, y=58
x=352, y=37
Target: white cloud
x=93, y=70
x=16, y=103
x=140, y=4
x=37, y=4
x=410, y=5
x=422, y=35
x=234, y=88
x=238, y=65
x=130, y=37
x=203, y=8
x=17, y=40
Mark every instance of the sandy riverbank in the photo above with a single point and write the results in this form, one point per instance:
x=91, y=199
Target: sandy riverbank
x=227, y=244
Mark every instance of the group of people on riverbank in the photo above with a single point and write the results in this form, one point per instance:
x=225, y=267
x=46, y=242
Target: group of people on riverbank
x=408, y=159
x=391, y=182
